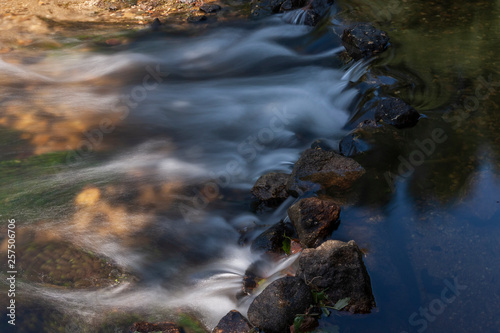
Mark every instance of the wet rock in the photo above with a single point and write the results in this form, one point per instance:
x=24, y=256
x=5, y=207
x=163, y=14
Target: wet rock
x=355, y=143
x=165, y=327
x=263, y=8
x=270, y=188
x=302, y=16
x=210, y=8
x=321, y=144
x=196, y=18
x=275, y=308
x=271, y=240
x=311, y=18
x=337, y=268
x=319, y=169
x=396, y=112
x=233, y=322
x=364, y=41
x=314, y=220
x=253, y=275
x=319, y=7
x=155, y=25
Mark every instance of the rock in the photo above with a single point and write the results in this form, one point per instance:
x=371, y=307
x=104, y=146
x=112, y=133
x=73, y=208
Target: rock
x=321, y=144
x=322, y=7
x=233, y=322
x=210, y=8
x=165, y=327
x=271, y=240
x=270, y=188
x=196, y=18
x=253, y=274
x=274, y=310
x=314, y=220
x=319, y=7
x=311, y=18
x=337, y=268
x=318, y=169
x=155, y=25
x=354, y=143
x=301, y=16
x=263, y=8
x=364, y=41
x=396, y=112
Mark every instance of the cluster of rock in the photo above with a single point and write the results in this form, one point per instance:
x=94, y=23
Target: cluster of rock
x=330, y=267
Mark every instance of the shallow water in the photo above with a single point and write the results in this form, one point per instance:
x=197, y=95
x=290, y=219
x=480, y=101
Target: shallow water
x=129, y=171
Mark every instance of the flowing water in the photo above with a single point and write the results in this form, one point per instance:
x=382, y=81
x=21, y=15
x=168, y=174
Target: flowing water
x=128, y=172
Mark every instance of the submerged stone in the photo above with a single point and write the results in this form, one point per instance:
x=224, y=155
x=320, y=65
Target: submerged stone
x=314, y=220
x=233, y=322
x=337, y=268
x=274, y=310
x=364, y=41
x=319, y=169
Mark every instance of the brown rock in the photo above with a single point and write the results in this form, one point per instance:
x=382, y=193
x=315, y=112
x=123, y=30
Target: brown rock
x=319, y=169
x=314, y=220
x=233, y=322
x=337, y=268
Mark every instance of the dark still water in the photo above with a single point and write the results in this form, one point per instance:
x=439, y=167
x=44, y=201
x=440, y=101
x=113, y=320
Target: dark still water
x=128, y=171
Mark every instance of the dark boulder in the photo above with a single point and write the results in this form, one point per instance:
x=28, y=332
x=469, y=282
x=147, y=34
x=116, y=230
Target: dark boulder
x=233, y=322
x=319, y=169
x=270, y=189
x=314, y=220
x=274, y=310
x=396, y=112
x=364, y=41
x=271, y=240
x=165, y=327
x=337, y=268
x=210, y=8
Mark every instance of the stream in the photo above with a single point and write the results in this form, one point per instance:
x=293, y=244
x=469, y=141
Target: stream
x=128, y=171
